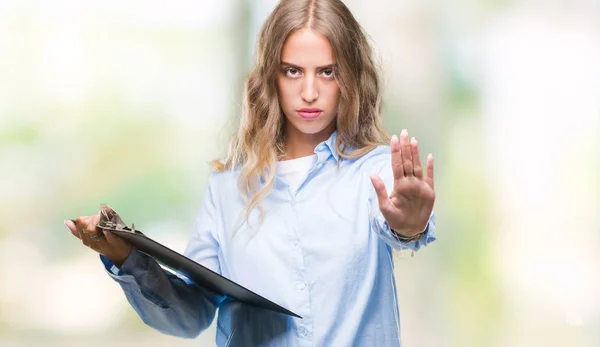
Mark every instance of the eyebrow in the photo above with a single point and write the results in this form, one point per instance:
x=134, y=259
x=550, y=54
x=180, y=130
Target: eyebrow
x=301, y=68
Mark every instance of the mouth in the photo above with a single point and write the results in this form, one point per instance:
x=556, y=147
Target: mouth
x=309, y=113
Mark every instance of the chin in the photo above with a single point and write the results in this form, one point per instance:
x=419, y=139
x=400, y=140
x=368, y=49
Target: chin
x=311, y=129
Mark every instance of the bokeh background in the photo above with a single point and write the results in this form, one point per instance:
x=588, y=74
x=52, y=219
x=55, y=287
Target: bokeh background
x=124, y=102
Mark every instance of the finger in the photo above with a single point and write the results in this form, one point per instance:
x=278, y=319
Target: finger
x=94, y=232
x=102, y=245
x=407, y=163
x=95, y=236
x=397, y=168
x=417, y=168
x=88, y=230
x=70, y=224
x=382, y=195
x=85, y=228
x=429, y=174
x=112, y=239
x=80, y=227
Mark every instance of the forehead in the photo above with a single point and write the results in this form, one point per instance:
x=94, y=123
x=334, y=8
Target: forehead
x=307, y=48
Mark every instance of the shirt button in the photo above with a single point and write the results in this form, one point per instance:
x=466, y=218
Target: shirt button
x=301, y=286
x=303, y=331
x=320, y=165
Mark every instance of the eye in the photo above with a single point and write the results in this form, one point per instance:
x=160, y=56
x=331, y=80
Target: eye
x=291, y=72
x=327, y=73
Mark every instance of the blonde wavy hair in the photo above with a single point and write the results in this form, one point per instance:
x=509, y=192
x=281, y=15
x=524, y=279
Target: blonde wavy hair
x=259, y=141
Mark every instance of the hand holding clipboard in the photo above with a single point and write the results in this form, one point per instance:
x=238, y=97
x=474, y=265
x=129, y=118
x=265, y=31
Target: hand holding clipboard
x=110, y=225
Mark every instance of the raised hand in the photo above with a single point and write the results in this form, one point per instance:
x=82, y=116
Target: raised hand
x=408, y=208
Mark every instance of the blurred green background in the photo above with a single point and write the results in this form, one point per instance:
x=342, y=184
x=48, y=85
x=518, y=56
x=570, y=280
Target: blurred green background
x=124, y=102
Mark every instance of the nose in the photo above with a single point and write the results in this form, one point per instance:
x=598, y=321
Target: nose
x=310, y=91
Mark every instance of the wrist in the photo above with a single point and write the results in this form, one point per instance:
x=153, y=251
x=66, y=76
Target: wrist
x=118, y=261
x=408, y=235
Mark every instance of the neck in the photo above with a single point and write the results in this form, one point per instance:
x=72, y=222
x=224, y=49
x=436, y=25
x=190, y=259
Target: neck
x=299, y=144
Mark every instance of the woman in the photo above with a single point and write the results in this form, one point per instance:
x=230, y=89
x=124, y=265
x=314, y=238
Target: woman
x=290, y=213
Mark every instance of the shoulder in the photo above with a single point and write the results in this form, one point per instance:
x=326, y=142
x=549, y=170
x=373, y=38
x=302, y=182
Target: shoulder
x=221, y=184
x=374, y=160
x=222, y=178
x=378, y=153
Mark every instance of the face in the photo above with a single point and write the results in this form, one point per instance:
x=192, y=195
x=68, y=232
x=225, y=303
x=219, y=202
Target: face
x=308, y=91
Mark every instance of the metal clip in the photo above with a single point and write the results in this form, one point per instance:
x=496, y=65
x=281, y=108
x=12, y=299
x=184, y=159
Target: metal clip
x=110, y=219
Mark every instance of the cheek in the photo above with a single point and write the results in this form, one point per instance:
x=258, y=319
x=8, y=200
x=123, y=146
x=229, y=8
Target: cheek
x=285, y=91
x=333, y=94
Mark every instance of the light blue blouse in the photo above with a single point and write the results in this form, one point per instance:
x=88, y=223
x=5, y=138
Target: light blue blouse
x=323, y=252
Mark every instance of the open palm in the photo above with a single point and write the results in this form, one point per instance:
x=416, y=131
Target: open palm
x=408, y=208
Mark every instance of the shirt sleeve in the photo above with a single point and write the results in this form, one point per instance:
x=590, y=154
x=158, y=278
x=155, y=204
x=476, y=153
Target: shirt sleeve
x=168, y=302
x=383, y=168
x=381, y=227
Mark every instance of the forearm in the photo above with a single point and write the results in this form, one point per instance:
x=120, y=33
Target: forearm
x=164, y=301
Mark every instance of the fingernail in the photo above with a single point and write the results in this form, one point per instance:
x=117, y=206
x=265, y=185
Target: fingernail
x=404, y=132
x=394, y=137
x=412, y=139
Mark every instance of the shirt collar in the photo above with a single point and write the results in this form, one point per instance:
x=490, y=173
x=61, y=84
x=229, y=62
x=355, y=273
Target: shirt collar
x=323, y=151
x=327, y=148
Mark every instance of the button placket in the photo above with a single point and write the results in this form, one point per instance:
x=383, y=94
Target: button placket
x=304, y=333
x=299, y=275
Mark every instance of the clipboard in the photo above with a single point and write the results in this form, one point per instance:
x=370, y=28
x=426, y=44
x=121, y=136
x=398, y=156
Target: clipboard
x=202, y=276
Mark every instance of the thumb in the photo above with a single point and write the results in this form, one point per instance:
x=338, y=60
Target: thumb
x=72, y=227
x=382, y=195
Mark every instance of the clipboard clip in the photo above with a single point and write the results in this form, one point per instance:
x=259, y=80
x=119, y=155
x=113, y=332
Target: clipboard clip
x=111, y=221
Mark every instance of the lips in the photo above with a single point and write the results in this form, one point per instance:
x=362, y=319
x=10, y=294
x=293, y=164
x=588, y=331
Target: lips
x=309, y=113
